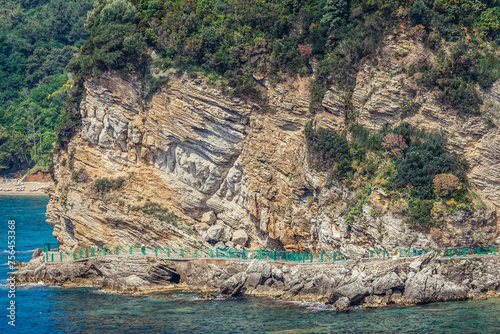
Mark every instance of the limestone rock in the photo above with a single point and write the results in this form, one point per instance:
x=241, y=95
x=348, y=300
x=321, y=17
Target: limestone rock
x=342, y=304
x=355, y=291
x=387, y=282
x=240, y=237
x=208, y=218
x=215, y=234
x=232, y=286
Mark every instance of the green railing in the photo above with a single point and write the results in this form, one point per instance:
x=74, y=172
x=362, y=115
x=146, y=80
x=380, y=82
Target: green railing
x=301, y=257
x=377, y=253
x=50, y=247
x=453, y=252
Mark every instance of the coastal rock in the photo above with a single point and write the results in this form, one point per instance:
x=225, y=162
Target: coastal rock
x=208, y=218
x=240, y=237
x=215, y=234
x=231, y=287
x=342, y=304
x=387, y=282
x=370, y=283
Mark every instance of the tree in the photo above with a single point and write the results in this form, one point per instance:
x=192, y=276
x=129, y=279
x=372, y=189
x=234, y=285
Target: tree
x=445, y=184
x=395, y=144
x=335, y=14
x=419, y=14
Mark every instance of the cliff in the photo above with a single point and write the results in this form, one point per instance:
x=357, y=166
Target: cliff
x=192, y=167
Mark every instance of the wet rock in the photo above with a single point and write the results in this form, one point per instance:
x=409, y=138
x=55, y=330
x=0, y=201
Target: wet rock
x=342, y=304
x=207, y=295
x=233, y=285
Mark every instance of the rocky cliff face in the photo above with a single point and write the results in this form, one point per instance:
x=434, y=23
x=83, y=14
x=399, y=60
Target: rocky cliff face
x=197, y=167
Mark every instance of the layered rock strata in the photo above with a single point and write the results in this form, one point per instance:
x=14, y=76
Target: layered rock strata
x=236, y=173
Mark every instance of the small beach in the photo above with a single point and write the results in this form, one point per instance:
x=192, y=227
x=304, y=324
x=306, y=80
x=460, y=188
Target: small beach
x=30, y=188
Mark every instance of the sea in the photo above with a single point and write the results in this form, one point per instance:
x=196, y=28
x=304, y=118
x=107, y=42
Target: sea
x=45, y=309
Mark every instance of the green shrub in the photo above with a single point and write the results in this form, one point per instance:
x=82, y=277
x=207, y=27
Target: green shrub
x=419, y=14
x=419, y=217
x=425, y=157
x=156, y=210
x=328, y=148
x=79, y=176
x=104, y=185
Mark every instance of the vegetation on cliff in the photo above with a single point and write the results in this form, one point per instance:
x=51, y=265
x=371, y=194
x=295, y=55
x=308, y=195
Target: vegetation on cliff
x=406, y=162
x=37, y=40
x=236, y=41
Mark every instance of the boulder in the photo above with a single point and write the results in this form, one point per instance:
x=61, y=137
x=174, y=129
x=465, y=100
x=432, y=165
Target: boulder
x=229, y=244
x=355, y=291
x=388, y=281
x=215, y=234
x=261, y=267
x=342, y=304
x=354, y=252
x=240, y=237
x=253, y=280
x=277, y=274
x=208, y=218
x=220, y=245
x=233, y=285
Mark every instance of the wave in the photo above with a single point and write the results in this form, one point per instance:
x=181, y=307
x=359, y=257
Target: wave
x=31, y=284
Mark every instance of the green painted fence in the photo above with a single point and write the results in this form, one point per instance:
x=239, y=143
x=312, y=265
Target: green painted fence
x=301, y=257
x=453, y=252
x=52, y=254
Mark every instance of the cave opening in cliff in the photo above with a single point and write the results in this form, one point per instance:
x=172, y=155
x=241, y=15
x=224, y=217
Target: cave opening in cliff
x=176, y=278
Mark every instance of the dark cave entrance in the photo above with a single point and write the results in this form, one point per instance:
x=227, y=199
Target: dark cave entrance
x=176, y=278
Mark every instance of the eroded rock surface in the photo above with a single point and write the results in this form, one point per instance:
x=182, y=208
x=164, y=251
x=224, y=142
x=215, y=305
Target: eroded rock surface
x=369, y=282
x=224, y=163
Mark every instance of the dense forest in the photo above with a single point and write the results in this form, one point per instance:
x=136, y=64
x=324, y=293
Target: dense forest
x=228, y=42
x=231, y=40
x=38, y=38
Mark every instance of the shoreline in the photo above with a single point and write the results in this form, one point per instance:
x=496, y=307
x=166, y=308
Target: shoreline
x=29, y=189
x=340, y=285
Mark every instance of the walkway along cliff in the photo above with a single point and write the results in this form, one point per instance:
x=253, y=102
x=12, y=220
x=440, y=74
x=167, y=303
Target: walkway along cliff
x=371, y=282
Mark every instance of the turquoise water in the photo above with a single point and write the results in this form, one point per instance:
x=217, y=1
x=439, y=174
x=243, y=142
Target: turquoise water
x=41, y=309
